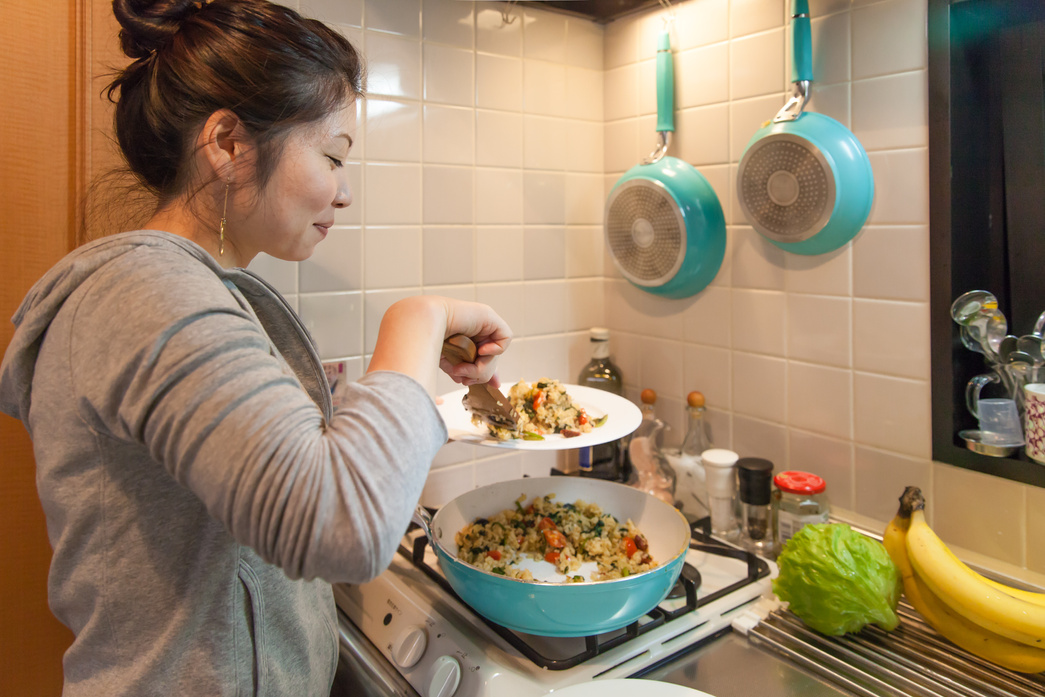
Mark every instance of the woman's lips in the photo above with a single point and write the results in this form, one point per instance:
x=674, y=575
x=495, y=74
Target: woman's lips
x=323, y=229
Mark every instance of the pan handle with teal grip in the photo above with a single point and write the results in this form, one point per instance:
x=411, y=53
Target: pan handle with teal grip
x=665, y=85
x=801, y=42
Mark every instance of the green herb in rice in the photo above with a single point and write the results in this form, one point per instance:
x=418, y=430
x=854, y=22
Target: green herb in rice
x=563, y=534
x=543, y=408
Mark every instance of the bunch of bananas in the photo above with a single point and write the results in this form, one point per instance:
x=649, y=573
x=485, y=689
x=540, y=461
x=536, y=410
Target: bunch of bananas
x=998, y=623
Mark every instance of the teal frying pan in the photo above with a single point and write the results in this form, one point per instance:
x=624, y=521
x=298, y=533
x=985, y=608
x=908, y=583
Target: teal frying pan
x=804, y=181
x=663, y=222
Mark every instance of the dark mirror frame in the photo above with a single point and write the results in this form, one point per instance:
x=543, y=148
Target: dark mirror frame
x=975, y=218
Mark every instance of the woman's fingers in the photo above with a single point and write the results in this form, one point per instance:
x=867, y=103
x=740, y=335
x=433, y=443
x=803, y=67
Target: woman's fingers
x=482, y=371
x=480, y=323
x=491, y=335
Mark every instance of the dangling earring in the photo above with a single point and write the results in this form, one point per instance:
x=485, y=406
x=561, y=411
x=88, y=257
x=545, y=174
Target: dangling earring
x=221, y=228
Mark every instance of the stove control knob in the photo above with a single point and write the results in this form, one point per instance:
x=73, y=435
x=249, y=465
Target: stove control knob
x=446, y=676
x=409, y=646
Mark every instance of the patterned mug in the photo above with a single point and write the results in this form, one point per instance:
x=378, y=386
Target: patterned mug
x=1035, y=421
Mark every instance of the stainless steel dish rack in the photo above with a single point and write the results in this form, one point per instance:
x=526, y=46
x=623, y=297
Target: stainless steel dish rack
x=913, y=660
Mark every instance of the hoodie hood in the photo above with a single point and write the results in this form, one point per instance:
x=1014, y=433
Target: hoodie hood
x=47, y=296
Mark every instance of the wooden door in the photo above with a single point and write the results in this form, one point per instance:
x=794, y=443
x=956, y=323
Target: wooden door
x=53, y=136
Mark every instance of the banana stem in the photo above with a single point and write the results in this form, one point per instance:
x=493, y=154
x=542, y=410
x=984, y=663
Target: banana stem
x=910, y=501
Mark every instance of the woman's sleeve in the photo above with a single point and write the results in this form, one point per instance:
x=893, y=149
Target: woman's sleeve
x=181, y=367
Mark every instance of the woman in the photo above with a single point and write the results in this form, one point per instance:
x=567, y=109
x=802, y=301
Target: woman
x=200, y=492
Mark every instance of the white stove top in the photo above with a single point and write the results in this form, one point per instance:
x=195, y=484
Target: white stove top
x=443, y=649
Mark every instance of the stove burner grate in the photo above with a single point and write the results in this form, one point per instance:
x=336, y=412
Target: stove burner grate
x=595, y=645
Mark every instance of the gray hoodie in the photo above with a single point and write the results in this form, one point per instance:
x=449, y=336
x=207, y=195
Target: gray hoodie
x=199, y=490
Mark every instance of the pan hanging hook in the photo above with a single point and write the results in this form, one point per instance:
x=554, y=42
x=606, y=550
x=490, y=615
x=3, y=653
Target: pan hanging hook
x=668, y=18
x=660, y=150
x=795, y=104
x=506, y=12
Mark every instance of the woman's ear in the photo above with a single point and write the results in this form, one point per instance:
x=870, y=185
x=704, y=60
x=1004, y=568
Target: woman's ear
x=222, y=142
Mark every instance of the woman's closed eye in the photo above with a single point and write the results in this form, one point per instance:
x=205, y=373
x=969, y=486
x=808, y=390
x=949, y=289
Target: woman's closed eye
x=337, y=162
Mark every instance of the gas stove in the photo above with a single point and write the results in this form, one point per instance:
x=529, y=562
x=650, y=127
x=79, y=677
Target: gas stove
x=439, y=646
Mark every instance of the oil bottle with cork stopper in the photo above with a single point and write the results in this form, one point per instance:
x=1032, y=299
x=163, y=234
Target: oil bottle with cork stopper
x=697, y=439
x=754, y=479
x=691, y=491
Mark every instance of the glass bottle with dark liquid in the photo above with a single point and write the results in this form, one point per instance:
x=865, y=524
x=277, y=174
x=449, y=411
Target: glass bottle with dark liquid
x=606, y=460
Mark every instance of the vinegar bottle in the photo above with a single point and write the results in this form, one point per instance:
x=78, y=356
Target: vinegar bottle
x=692, y=487
x=697, y=439
x=606, y=460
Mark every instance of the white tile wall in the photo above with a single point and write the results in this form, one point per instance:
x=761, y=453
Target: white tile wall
x=393, y=65
x=394, y=16
x=449, y=135
x=449, y=22
x=447, y=194
x=750, y=16
x=707, y=71
x=756, y=262
x=449, y=75
x=392, y=257
x=391, y=194
x=756, y=64
x=498, y=138
x=498, y=82
x=485, y=156
x=393, y=130
x=348, y=12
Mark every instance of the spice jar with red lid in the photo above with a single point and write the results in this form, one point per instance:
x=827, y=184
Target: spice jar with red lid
x=799, y=498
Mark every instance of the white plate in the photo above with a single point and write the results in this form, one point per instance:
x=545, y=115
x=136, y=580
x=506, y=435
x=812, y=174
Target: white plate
x=624, y=417
x=627, y=687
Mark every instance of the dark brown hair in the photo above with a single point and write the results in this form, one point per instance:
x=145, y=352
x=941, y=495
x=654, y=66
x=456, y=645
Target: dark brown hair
x=265, y=62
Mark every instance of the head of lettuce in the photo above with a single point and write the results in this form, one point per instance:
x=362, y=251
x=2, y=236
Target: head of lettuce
x=838, y=581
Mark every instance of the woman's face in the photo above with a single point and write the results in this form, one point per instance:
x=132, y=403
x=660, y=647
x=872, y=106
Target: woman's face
x=295, y=210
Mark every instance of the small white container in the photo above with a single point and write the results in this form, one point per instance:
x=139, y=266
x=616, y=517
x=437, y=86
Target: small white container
x=721, y=478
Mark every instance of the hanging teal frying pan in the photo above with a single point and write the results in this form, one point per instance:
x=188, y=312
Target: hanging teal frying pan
x=804, y=180
x=664, y=224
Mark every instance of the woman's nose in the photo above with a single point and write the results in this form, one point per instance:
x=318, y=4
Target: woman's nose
x=343, y=198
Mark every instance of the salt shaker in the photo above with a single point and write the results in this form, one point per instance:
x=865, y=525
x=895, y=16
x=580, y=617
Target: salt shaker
x=720, y=474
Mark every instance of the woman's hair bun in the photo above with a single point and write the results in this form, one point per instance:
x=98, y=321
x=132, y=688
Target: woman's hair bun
x=146, y=25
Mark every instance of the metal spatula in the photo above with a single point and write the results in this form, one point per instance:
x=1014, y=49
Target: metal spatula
x=484, y=401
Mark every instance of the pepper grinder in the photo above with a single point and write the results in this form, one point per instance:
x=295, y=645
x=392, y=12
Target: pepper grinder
x=755, y=477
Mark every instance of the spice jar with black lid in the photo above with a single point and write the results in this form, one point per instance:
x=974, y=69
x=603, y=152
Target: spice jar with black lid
x=755, y=479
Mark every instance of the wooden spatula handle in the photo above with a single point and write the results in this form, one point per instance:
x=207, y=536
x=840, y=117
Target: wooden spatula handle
x=459, y=349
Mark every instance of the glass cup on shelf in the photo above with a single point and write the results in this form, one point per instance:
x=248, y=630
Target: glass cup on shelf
x=999, y=417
